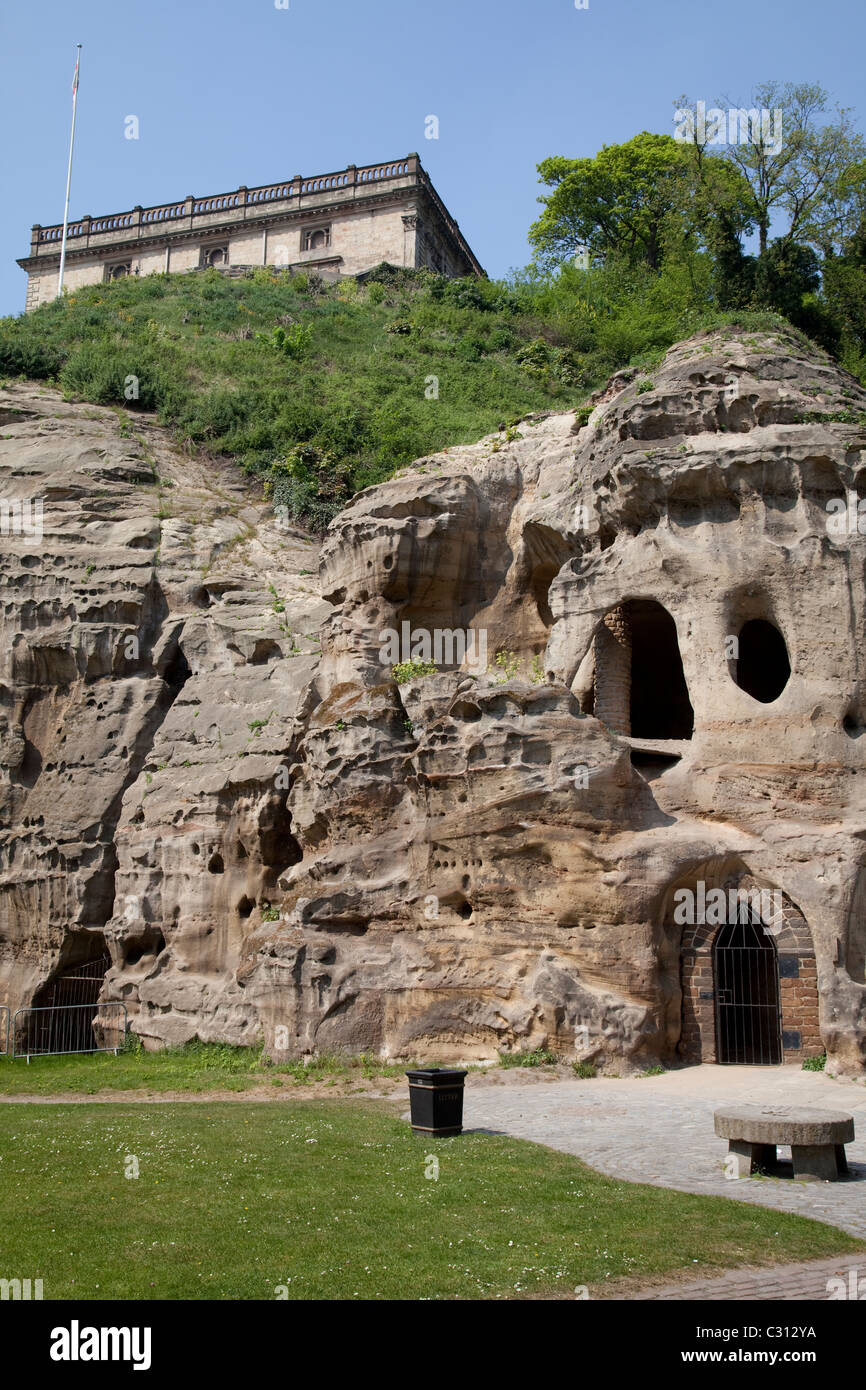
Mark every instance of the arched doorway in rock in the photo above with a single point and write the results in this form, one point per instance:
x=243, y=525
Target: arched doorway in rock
x=70, y=995
x=640, y=686
x=748, y=976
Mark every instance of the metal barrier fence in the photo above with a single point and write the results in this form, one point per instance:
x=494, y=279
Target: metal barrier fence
x=67, y=1028
x=4, y=1029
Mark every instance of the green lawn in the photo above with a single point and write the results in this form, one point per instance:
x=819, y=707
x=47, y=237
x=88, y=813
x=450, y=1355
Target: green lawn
x=195, y=1068
x=329, y=1200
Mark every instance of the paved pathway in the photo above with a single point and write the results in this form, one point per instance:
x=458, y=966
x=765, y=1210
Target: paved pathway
x=816, y=1280
x=659, y=1130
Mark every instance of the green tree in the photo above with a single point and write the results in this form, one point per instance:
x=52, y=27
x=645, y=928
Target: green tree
x=845, y=296
x=617, y=202
x=794, y=163
x=651, y=198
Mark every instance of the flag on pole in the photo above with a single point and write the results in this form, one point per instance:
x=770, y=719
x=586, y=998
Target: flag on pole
x=75, y=75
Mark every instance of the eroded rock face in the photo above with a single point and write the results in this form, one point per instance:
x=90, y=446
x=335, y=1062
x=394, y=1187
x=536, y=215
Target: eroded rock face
x=157, y=639
x=488, y=864
x=285, y=843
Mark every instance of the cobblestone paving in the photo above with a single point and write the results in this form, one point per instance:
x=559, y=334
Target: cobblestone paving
x=659, y=1130
x=781, y=1282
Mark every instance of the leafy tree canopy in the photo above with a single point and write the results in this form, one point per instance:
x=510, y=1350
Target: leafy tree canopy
x=637, y=200
x=795, y=163
x=617, y=201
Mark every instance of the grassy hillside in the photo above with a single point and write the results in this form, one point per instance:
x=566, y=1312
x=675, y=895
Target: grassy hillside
x=322, y=390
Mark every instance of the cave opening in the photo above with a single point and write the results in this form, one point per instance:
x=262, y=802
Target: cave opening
x=762, y=667
x=640, y=686
x=539, y=585
x=659, y=703
x=145, y=947
x=64, y=1006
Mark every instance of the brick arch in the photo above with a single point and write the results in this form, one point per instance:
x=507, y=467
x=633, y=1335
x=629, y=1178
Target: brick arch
x=798, y=981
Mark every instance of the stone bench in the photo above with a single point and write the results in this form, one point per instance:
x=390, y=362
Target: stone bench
x=817, y=1139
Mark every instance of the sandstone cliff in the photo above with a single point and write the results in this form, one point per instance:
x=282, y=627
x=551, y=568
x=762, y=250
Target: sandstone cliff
x=276, y=840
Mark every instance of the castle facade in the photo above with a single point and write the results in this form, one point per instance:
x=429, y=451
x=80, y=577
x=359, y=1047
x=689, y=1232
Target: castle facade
x=336, y=224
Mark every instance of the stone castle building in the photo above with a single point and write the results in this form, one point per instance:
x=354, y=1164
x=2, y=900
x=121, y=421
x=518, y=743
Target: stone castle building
x=336, y=224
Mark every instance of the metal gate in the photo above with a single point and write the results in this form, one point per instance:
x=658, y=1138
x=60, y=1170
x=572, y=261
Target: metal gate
x=746, y=977
x=66, y=1028
x=79, y=985
x=68, y=1016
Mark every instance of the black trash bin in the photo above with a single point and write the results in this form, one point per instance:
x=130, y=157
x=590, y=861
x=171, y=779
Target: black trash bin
x=436, y=1101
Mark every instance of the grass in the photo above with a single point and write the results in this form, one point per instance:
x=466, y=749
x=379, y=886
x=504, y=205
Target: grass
x=303, y=383
x=329, y=1200
x=194, y=1068
x=323, y=390
x=584, y=1071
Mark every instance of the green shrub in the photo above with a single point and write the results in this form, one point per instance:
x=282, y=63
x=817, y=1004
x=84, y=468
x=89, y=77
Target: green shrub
x=293, y=343
x=535, y=355
x=508, y=664
x=21, y=354
x=99, y=371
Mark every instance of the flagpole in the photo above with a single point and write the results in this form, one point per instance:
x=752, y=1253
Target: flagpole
x=69, y=174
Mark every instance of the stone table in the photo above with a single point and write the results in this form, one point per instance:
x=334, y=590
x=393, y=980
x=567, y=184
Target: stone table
x=817, y=1139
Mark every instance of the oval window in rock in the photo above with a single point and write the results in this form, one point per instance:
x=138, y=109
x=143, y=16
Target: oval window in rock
x=761, y=667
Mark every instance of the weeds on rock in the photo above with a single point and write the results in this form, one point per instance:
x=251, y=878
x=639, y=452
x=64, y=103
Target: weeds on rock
x=537, y=1057
x=584, y=1071
x=815, y=1063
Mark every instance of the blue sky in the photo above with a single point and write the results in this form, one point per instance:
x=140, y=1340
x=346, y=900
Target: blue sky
x=239, y=91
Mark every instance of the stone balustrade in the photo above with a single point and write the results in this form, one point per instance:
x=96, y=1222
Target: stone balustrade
x=232, y=205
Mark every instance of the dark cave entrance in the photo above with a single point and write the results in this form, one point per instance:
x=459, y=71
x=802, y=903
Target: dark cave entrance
x=659, y=706
x=63, y=1009
x=762, y=668
x=640, y=685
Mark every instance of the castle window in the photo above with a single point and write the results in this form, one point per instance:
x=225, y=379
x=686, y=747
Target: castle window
x=212, y=256
x=315, y=238
x=118, y=271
